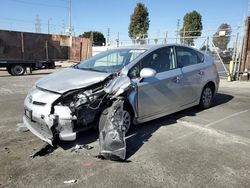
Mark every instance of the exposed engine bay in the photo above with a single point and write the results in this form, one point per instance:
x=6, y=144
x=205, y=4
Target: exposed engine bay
x=86, y=106
x=86, y=103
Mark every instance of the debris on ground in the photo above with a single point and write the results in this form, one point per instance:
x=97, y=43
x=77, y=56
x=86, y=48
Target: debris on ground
x=44, y=150
x=6, y=150
x=21, y=128
x=70, y=181
x=112, y=135
x=83, y=146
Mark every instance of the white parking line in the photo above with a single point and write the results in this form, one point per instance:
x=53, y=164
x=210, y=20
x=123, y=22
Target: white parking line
x=6, y=91
x=225, y=137
x=227, y=117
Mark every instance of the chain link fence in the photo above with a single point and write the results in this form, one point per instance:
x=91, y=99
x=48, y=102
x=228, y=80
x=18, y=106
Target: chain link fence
x=222, y=58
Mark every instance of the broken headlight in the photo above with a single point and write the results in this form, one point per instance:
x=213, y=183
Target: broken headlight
x=82, y=98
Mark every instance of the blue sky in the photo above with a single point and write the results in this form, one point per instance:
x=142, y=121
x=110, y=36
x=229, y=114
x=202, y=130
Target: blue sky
x=115, y=14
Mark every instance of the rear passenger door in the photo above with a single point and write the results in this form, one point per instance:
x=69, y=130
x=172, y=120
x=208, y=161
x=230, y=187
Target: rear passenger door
x=192, y=65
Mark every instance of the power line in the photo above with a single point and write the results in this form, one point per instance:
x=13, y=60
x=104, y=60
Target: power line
x=15, y=20
x=38, y=4
x=26, y=21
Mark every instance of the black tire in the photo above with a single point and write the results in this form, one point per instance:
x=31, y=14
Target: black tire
x=51, y=65
x=9, y=70
x=17, y=70
x=206, y=97
x=127, y=118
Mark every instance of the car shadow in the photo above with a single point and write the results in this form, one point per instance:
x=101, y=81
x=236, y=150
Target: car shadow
x=83, y=138
x=140, y=134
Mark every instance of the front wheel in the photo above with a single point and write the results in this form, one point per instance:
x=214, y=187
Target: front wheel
x=17, y=70
x=127, y=119
x=206, y=98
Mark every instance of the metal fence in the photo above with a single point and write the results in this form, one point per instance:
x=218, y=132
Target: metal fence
x=206, y=44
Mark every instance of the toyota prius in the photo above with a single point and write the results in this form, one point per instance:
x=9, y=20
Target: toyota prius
x=152, y=81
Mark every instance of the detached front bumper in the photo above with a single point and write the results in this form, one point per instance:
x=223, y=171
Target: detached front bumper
x=42, y=131
x=40, y=122
x=48, y=127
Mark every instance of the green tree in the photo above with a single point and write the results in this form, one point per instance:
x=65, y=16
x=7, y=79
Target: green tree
x=97, y=37
x=192, y=27
x=139, y=23
x=222, y=37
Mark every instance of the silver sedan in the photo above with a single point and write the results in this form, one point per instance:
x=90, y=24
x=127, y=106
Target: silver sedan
x=152, y=81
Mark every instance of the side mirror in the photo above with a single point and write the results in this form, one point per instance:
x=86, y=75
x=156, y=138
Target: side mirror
x=147, y=73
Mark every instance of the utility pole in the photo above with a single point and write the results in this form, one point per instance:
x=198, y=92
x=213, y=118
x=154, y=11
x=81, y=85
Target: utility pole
x=118, y=39
x=166, y=38
x=92, y=38
x=70, y=15
x=177, y=31
x=69, y=29
x=248, y=8
x=49, y=25
x=184, y=35
x=37, y=25
x=108, y=33
x=63, y=28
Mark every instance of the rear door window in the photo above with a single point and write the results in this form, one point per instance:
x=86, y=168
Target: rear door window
x=187, y=56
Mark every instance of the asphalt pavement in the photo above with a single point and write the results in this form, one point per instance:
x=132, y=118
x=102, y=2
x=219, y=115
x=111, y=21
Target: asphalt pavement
x=191, y=148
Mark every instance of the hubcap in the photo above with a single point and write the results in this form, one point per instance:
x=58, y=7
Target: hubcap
x=18, y=70
x=207, y=96
x=126, y=120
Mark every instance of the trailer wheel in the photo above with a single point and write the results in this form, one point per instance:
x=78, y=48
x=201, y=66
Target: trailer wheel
x=18, y=70
x=9, y=70
x=51, y=65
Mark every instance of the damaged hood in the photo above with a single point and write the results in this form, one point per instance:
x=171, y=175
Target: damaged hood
x=69, y=79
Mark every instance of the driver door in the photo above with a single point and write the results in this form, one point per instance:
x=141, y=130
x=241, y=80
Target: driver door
x=162, y=93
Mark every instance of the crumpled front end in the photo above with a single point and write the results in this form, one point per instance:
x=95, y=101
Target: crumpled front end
x=112, y=133
x=50, y=115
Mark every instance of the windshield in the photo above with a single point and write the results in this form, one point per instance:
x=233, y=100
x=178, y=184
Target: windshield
x=110, y=61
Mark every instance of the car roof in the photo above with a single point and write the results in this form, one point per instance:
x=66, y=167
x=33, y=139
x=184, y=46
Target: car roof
x=152, y=47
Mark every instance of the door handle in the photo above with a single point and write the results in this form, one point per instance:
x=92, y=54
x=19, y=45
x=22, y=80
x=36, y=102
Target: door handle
x=177, y=79
x=201, y=72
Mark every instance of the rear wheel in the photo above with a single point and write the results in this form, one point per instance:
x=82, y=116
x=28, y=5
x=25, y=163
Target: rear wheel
x=17, y=70
x=9, y=70
x=51, y=65
x=206, y=97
